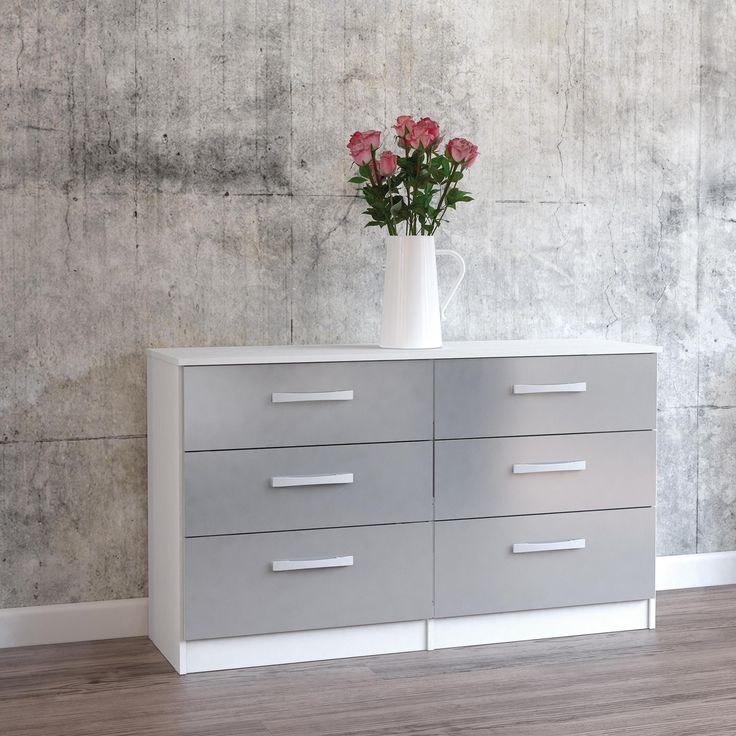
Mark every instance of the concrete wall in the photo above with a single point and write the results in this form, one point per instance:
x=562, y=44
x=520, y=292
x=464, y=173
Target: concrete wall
x=173, y=173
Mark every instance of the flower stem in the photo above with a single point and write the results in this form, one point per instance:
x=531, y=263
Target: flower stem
x=408, y=191
x=429, y=168
x=374, y=172
x=416, y=188
x=439, y=212
x=389, y=223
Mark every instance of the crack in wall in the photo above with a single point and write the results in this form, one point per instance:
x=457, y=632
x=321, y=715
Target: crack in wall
x=49, y=440
x=567, y=90
x=22, y=45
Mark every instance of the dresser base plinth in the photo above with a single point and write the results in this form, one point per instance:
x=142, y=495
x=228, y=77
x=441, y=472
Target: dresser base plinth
x=547, y=623
x=207, y=655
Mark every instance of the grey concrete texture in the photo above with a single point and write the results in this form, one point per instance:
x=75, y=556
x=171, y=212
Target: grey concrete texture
x=174, y=173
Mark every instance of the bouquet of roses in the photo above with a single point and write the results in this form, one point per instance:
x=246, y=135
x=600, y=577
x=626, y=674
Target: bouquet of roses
x=419, y=185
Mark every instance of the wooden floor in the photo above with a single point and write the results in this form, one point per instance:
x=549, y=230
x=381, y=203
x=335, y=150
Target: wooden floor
x=679, y=680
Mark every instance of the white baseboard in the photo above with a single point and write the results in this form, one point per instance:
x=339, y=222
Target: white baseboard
x=116, y=619
x=696, y=571
x=61, y=623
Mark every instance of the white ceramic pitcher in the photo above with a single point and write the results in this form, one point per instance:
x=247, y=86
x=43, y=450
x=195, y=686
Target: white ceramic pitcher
x=411, y=308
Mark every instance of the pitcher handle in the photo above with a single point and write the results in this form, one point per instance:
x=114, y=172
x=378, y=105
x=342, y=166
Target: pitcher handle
x=453, y=254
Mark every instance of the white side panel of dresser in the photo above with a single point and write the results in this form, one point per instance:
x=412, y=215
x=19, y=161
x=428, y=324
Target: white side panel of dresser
x=165, y=530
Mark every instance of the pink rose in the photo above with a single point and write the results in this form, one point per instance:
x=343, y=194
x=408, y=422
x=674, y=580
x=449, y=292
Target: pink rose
x=359, y=150
x=461, y=151
x=360, y=145
x=404, y=125
x=424, y=133
x=373, y=138
x=387, y=163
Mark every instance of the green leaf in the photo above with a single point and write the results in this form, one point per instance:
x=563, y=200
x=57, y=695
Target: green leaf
x=357, y=179
x=456, y=176
x=365, y=171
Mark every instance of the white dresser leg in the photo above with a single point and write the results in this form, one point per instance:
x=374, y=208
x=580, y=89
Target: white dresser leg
x=430, y=635
x=652, y=613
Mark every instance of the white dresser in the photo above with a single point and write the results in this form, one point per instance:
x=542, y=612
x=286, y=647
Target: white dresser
x=311, y=502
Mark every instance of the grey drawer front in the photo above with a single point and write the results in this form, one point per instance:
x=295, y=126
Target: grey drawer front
x=476, y=477
x=475, y=398
x=233, y=491
x=231, y=588
x=477, y=572
x=229, y=407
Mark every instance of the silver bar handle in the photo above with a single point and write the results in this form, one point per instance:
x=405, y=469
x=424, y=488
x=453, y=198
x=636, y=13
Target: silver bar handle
x=520, y=468
x=550, y=388
x=281, y=397
x=282, y=565
x=332, y=479
x=523, y=547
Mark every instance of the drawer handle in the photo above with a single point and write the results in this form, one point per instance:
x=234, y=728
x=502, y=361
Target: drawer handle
x=521, y=548
x=550, y=388
x=282, y=565
x=520, y=468
x=333, y=479
x=287, y=398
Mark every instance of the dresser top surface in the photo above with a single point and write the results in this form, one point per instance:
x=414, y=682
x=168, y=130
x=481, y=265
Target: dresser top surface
x=348, y=353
